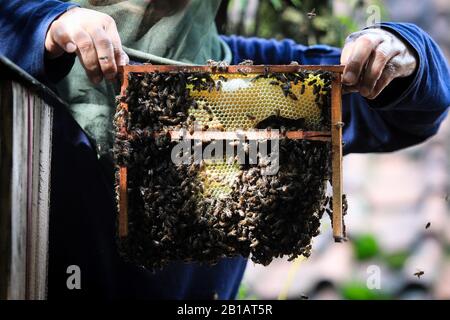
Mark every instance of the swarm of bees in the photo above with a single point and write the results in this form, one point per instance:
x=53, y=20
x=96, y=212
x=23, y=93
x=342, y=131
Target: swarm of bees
x=172, y=218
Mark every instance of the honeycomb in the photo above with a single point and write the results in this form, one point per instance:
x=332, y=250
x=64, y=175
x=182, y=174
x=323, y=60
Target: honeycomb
x=241, y=102
x=218, y=178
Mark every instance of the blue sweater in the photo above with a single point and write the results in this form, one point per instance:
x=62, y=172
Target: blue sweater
x=82, y=223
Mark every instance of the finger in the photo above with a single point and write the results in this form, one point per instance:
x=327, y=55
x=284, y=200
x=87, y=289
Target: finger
x=346, y=52
x=350, y=89
x=386, y=77
x=105, y=53
x=120, y=56
x=88, y=55
x=361, y=52
x=376, y=65
x=59, y=41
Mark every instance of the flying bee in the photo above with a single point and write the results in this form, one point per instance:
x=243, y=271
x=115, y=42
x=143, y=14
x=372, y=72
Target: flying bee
x=428, y=225
x=419, y=273
x=312, y=14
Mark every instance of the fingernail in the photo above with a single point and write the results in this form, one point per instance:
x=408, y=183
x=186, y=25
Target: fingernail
x=70, y=47
x=123, y=60
x=349, y=77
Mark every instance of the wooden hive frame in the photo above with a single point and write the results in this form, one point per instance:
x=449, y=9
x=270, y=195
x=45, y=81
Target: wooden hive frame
x=334, y=135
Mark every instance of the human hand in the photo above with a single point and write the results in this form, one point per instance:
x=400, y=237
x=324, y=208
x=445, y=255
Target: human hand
x=373, y=58
x=93, y=36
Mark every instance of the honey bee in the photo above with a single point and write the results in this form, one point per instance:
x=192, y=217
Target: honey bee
x=242, y=72
x=312, y=14
x=419, y=273
x=303, y=88
x=292, y=95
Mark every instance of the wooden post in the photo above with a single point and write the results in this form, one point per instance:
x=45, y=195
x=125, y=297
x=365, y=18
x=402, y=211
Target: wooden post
x=336, y=149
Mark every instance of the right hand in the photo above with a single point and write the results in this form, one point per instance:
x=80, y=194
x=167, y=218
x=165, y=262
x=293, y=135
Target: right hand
x=93, y=36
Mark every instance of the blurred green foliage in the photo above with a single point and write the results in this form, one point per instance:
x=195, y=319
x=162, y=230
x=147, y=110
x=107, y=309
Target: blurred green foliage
x=282, y=19
x=244, y=294
x=359, y=291
x=365, y=246
x=396, y=260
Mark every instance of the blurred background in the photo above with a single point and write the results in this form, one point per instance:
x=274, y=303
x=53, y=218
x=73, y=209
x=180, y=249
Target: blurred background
x=398, y=220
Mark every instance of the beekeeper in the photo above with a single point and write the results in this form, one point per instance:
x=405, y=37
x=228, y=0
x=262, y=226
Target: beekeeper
x=396, y=79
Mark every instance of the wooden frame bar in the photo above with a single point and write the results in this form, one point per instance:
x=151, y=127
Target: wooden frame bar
x=335, y=136
x=123, y=172
x=230, y=69
x=241, y=135
x=336, y=157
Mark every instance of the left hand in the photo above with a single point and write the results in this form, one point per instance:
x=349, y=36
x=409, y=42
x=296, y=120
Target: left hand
x=373, y=58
